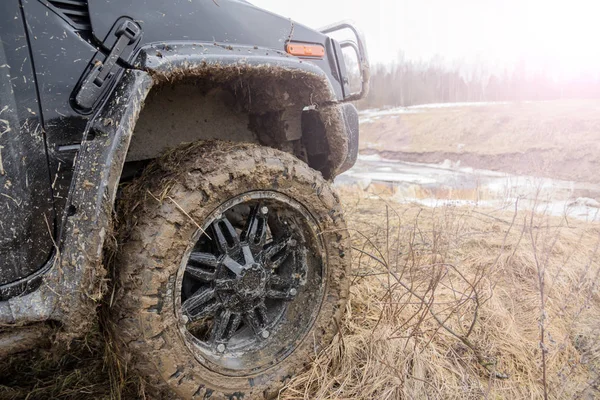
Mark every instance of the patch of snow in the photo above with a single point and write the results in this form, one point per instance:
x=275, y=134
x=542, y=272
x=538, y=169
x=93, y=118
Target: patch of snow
x=585, y=201
x=449, y=183
x=456, y=105
x=368, y=116
x=393, y=177
x=370, y=157
x=449, y=164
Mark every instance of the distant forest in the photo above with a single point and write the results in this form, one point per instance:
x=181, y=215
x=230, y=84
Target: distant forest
x=407, y=83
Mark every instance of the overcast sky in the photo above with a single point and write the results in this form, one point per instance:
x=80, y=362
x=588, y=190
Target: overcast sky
x=560, y=36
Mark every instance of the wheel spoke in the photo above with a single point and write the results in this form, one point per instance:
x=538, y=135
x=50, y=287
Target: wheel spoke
x=205, y=312
x=220, y=326
x=200, y=304
x=206, y=259
x=233, y=265
x=281, y=294
x=200, y=273
x=224, y=231
x=248, y=257
x=261, y=310
x=236, y=321
x=301, y=263
x=274, y=264
x=255, y=231
x=284, y=245
x=202, y=266
x=254, y=321
x=280, y=282
x=224, y=284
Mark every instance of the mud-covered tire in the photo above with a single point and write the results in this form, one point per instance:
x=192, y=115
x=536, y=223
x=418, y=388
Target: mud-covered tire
x=160, y=213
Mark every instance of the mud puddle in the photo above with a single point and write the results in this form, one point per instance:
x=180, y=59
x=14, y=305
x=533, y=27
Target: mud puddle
x=449, y=183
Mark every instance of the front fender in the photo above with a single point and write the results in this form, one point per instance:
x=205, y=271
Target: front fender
x=218, y=63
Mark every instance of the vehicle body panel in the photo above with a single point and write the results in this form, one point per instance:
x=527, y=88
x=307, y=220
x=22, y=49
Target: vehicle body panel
x=74, y=284
x=224, y=22
x=60, y=55
x=27, y=216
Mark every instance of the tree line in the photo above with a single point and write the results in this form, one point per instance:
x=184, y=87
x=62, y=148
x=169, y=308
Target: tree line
x=406, y=83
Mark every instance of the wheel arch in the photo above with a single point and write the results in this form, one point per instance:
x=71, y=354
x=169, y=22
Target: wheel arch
x=266, y=97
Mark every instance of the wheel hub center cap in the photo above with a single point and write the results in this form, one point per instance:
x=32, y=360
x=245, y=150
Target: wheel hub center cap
x=252, y=282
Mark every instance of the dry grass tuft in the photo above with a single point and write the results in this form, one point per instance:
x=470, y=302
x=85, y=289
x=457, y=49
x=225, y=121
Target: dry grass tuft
x=447, y=304
x=84, y=370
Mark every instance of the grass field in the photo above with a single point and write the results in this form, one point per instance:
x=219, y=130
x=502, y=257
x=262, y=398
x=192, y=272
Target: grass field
x=447, y=303
x=558, y=139
x=463, y=303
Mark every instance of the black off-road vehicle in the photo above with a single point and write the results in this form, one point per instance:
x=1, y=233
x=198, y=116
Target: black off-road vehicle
x=193, y=141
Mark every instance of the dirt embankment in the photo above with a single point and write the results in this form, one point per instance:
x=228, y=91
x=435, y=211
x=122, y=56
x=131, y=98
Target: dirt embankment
x=558, y=139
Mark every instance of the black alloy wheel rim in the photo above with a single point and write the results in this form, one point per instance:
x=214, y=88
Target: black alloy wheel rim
x=251, y=284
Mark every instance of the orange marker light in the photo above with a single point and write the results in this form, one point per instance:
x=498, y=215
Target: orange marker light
x=305, y=50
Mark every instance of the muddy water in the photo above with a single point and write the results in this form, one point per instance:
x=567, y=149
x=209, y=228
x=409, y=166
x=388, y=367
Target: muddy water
x=449, y=183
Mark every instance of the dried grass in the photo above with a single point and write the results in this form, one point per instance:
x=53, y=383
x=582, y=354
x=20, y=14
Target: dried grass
x=87, y=369
x=445, y=304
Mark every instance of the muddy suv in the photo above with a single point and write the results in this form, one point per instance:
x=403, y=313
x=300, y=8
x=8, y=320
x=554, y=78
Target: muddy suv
x=171, y=163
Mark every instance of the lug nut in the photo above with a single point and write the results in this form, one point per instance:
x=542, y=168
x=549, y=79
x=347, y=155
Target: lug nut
x=264, y=210
x=221, y=348
x=293, y=292
x=265, y=334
